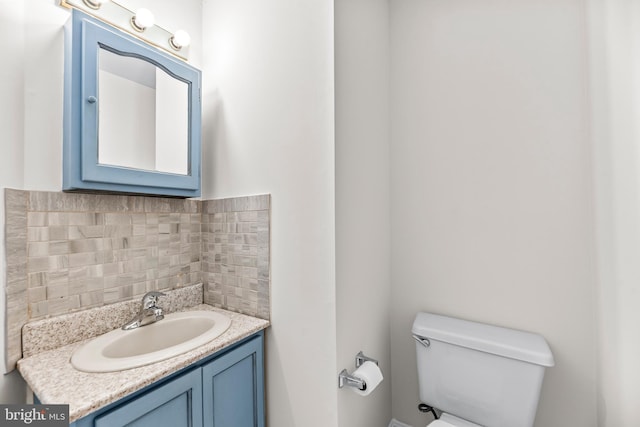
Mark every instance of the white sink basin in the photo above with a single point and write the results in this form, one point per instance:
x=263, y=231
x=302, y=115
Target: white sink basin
x=175, y=334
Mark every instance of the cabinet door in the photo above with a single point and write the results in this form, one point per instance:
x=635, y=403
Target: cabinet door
x=233, y=388
x=176, y=404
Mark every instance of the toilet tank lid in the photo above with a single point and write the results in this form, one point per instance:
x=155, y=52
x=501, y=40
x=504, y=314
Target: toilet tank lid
x=511, y=343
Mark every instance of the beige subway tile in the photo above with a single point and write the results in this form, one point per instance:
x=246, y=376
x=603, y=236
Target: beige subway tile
x=36, y=219
x=58, y=306
x=38, y=249
x=118, y=230
x=59, y=277
x=57, y=291
x=86, y=218
x=136, y=203
x=111, y=203
x=16, y=303
x=37, y=279
x=57, y=218
x=16, y=288
x=91, y=299
x=17, y=272
x=249, y=216
x=152, y=218
x=84, y=258
x=263, y=287
x=263, y=269
x=247, y=227
x=152, y=285
x=38, y=234
x=111, y=268
x=86, y=231
x=260, y=202
x=73, y=303
x=230, y=280
x=117, y=219
x=88, y=245
x=249, y=283
x=263, y=238
x=87, y=284
x=38, y=309
x=111, y=295
x=59, y=247
x=38, y=264
x=139, y=229
x=138, y=219
x=58, y=232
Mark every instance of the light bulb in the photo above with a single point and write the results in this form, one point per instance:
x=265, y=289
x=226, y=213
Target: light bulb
x=94, y=4
x=142, y=20
x=180, y=39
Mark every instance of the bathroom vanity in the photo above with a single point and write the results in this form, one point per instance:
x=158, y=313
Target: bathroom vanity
x=218, y=384
x=224, y=389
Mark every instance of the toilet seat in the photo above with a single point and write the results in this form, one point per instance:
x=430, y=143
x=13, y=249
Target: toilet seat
x=448, y=420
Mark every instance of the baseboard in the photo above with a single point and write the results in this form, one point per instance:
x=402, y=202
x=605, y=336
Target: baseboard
x=396, y=423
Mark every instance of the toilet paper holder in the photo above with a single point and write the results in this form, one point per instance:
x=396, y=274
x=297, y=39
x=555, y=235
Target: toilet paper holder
x=344, y=378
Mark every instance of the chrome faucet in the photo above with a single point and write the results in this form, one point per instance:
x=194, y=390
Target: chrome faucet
x=149, y=312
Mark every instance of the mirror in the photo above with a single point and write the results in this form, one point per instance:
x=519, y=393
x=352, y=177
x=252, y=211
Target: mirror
x=142, y=115
x=132, y=114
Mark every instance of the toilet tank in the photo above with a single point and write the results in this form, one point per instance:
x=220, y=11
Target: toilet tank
x=485, y=374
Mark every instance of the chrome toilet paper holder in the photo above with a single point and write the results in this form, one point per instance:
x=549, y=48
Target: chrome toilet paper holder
x=344, y=378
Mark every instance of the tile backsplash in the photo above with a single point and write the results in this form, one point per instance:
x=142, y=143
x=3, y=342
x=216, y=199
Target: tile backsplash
x=235, y=256
x=68, y=252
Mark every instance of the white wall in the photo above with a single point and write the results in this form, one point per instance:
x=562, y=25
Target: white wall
x=363, y=282
x=11, y=134
x=615, y=92
x=269, y=128
x=491, y=185
x=31, y=83
x=43, y=90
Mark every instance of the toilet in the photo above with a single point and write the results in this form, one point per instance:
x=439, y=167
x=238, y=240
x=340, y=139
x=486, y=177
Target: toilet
x=479, y=375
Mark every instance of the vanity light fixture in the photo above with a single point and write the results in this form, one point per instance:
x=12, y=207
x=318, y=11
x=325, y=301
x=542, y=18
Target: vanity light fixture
x=142, y=20
x=140, y=24
x=94, y=4
x=179, y=40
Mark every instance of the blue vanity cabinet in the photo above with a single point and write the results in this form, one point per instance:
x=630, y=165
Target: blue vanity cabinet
x=233, y=388
x=223, y=390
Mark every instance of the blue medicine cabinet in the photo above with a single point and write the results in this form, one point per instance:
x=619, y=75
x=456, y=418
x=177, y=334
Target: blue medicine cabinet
x=132, y=114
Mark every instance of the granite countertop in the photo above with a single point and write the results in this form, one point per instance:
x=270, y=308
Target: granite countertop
x=54, y=380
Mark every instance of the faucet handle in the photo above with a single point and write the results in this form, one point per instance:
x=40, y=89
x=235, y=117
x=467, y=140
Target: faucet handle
x=151, y=298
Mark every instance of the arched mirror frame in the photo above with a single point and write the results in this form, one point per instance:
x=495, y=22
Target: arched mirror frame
x=84, y=37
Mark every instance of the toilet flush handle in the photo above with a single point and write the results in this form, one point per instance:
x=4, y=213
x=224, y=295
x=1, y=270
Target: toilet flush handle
x=424, y=341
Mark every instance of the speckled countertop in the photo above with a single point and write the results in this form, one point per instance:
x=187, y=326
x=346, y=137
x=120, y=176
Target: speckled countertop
x=53, y=379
